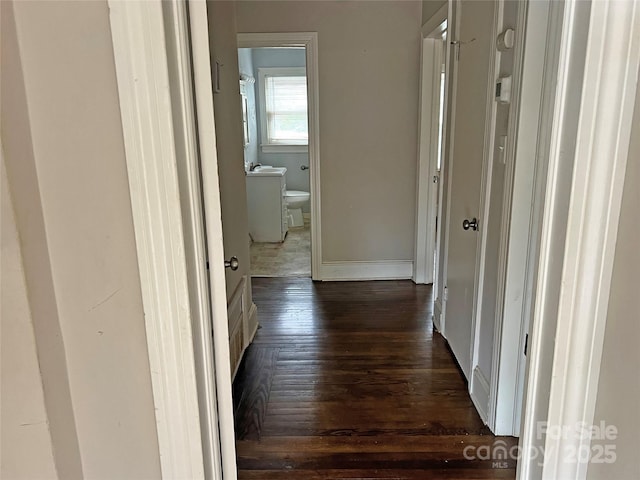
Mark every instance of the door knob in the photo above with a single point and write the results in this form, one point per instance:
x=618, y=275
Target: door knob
x=232, y=263
x=304, y=167
x=470, y=224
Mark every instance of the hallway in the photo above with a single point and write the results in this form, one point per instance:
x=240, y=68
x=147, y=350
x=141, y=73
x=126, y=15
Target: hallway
x=349, y=380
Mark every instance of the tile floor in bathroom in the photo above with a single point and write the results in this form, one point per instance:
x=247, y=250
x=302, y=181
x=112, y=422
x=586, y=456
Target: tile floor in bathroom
x=291, y=258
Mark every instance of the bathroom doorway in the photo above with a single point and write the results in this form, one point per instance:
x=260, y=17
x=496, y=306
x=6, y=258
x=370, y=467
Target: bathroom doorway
x=279, y=112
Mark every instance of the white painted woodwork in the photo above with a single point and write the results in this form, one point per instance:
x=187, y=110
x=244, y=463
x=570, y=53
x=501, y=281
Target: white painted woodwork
x=211, y=198
x=597, y=81
x=382, y=270
x=602, y=145
x=243, y=324
x=147, y=118
x=444, y=205
x=185, y=133
x=474, y=86
x=501, y=318
x=524, y=227
x=428, y=127
x=267, y=208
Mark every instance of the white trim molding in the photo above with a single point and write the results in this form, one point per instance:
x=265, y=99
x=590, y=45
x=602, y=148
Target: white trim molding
x=508, y=357
x=382, y=270
x=518, y=227
x=602, y=144
x=142, y=73
x=189, y=177
x=308, y=40
x=427, y=174
x=480, y=391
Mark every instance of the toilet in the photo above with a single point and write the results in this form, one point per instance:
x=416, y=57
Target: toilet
x=295, y=201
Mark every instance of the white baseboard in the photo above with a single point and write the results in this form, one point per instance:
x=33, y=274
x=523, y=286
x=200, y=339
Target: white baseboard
x=384, y=270
x=480, y=393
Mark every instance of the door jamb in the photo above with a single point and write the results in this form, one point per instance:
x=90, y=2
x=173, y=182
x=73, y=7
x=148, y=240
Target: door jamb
x=428, y=129
x=609, y=84
x=179, y=57
x=141, y=59
x=309, y=40
x=516, y=225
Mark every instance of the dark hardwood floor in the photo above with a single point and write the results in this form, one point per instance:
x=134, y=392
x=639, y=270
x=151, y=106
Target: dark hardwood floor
x=349, y=380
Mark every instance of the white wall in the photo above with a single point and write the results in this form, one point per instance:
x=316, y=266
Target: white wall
x=369, y=83
x=429, y=7
x=65, y=162
x=619, y=385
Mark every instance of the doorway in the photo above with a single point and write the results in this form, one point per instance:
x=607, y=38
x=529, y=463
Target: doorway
x=276, y=70
x=273, y=89
x=176, y=450
x=429, y=212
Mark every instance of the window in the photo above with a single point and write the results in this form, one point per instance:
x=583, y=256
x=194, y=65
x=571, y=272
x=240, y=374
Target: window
x=283, y=109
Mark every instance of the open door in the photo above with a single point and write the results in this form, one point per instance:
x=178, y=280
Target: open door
x=206, y=133
x=430, y=125
x=473, y=45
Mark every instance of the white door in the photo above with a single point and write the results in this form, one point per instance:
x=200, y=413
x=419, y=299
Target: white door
x=474, y=63
x=224, y=460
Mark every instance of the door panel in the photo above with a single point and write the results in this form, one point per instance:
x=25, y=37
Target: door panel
x=474, y=62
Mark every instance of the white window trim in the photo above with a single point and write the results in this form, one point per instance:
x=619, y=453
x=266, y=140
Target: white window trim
x=264, y=145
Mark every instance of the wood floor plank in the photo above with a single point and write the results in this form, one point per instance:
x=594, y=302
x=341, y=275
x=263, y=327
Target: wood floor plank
x=387, y=474
x=252, y=391
x=349, y=380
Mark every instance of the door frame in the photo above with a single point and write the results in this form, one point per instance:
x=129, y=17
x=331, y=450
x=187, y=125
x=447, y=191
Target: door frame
x=308, y=40
x=428, y=127
x=599, y=49
x=501, y=394
x=577, y=321
x=190, y=368
x=533, y=64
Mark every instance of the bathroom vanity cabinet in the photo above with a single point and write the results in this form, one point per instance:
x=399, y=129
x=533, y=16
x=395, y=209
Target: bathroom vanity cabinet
x=267, y=206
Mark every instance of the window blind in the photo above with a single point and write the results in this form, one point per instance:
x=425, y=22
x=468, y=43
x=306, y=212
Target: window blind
x=286, y=109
